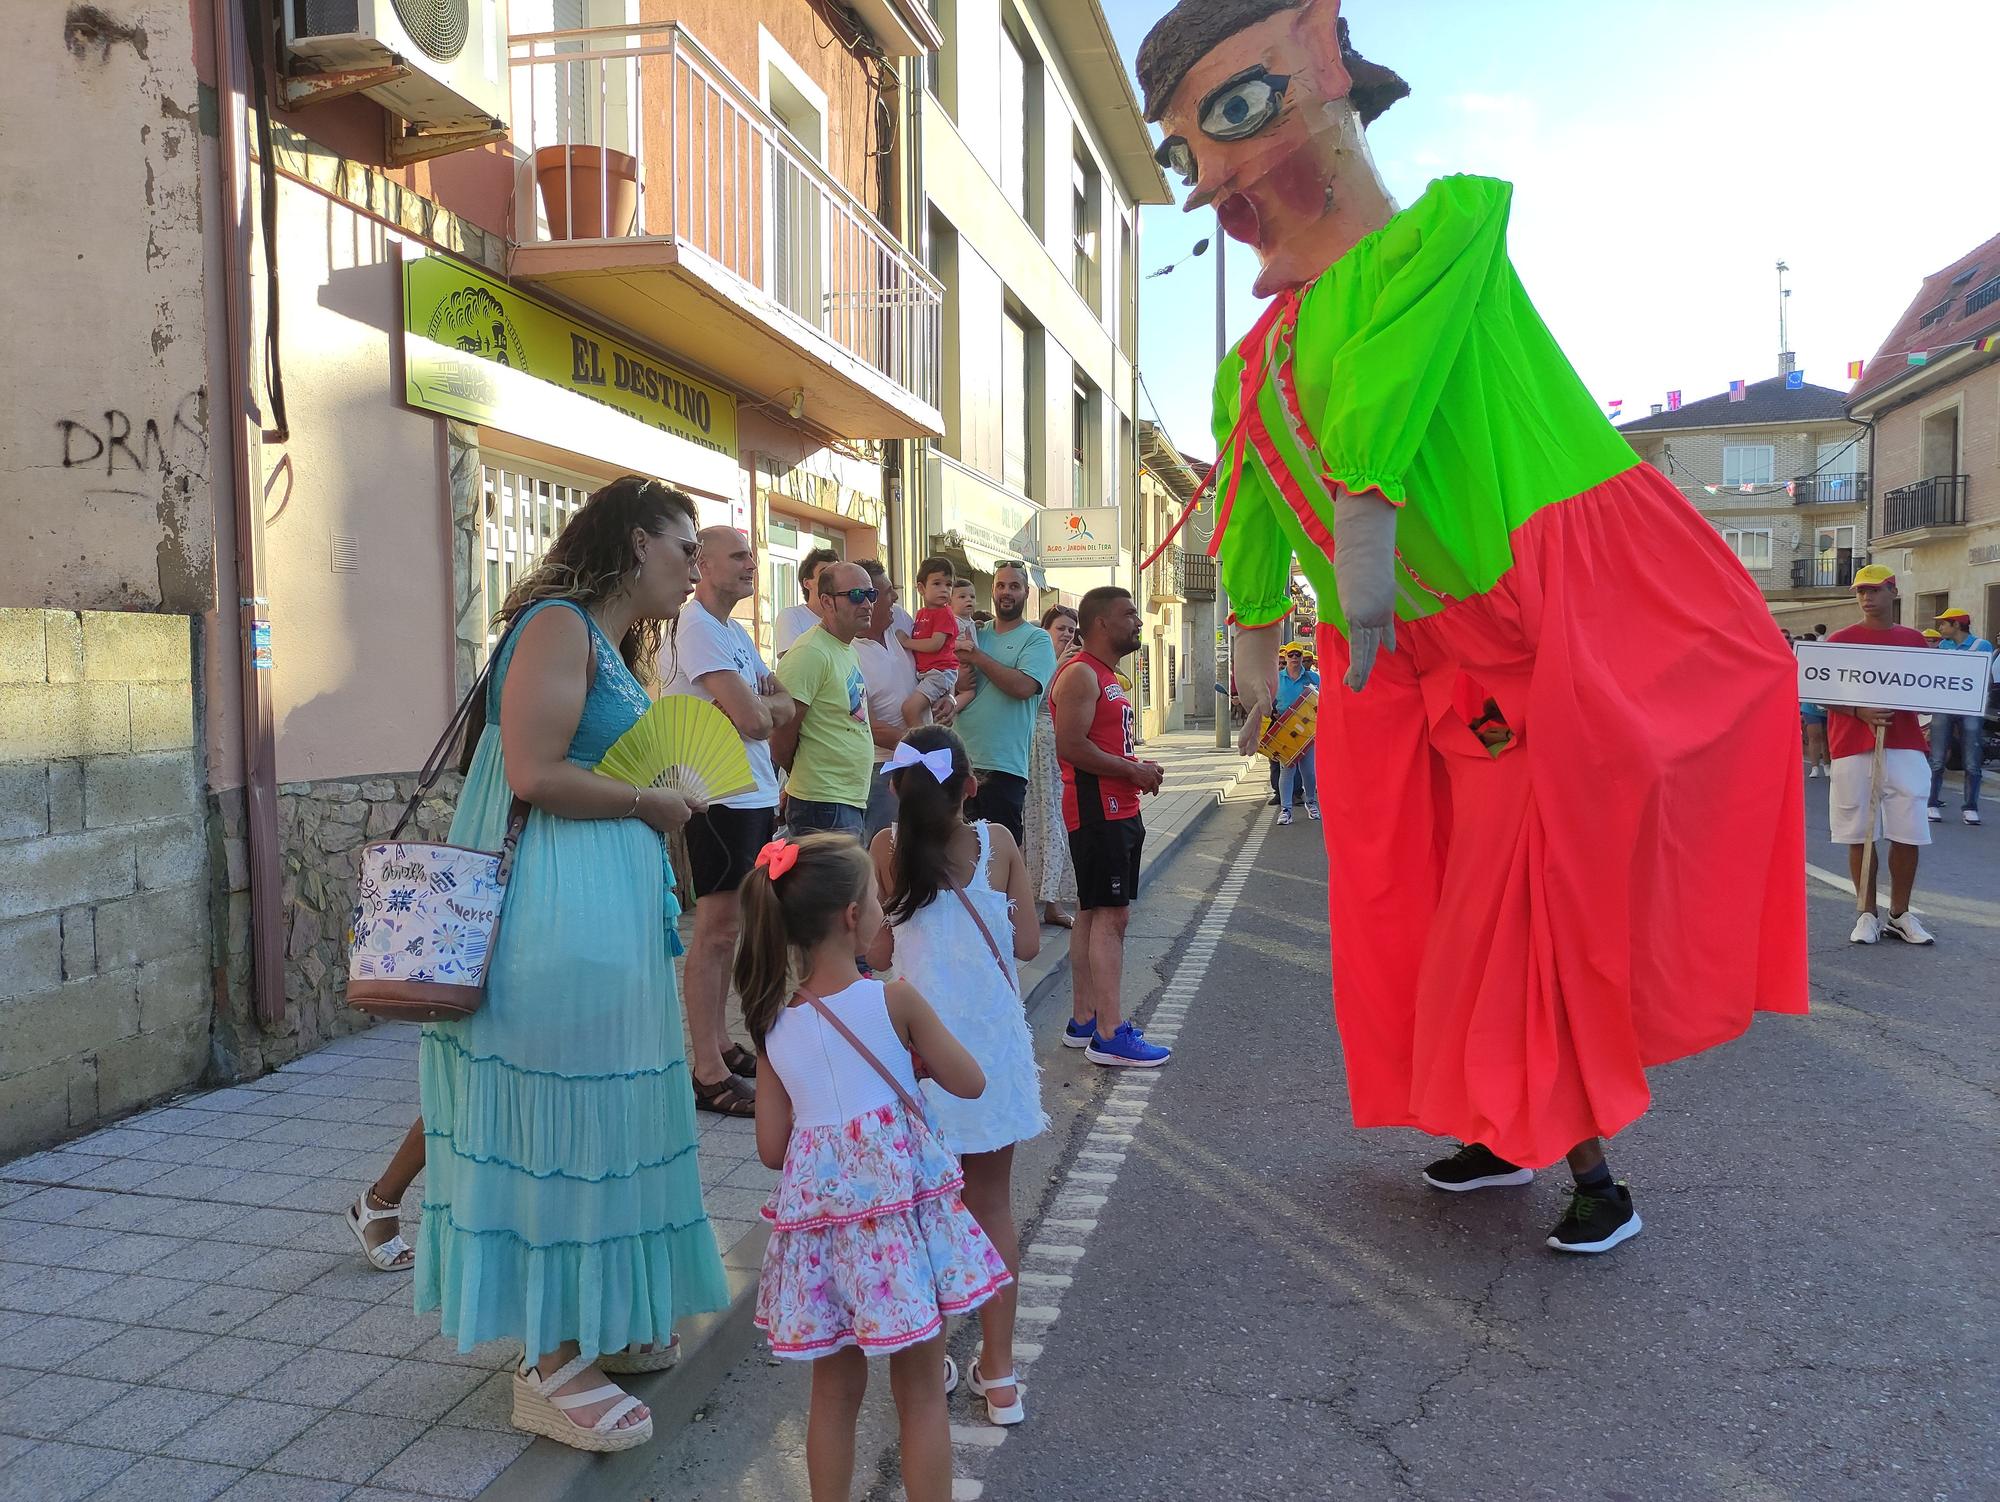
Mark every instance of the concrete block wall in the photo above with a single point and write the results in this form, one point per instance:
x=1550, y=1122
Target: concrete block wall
x=105, y=992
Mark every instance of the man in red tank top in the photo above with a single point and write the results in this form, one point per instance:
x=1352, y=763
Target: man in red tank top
x=1102, y=782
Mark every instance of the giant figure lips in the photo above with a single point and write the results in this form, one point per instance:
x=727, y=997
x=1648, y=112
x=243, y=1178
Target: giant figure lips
x=1240, y=219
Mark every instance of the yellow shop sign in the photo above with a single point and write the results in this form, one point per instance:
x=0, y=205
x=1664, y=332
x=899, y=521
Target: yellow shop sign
x=470, y=341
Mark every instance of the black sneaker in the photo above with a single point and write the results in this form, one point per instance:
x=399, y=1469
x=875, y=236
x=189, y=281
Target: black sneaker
x=1272, y=801
x=1596, y=1222
x=1476, y=1167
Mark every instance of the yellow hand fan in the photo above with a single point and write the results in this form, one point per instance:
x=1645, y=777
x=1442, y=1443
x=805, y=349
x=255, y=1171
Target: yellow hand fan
x=685, y=744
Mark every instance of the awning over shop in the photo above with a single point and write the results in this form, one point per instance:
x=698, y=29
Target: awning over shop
x=984, y=560
x=978, y=519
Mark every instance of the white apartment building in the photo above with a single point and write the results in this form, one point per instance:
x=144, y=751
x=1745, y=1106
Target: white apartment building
x=1034, y=160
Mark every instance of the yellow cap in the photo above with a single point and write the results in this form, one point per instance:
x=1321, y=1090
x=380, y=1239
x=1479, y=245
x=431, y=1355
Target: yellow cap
x=1955, y=614
x=1931, y=633
x=1873, y=576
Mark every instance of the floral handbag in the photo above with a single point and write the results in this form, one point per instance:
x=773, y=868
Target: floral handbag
x=426, y=914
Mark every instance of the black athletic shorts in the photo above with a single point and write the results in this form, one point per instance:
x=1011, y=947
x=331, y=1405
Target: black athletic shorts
x=1003, y=799
x=1106, y=857
x=723, y=844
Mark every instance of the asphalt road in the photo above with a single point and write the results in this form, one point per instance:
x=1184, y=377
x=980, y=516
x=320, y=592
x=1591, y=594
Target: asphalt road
x=1272, y=1304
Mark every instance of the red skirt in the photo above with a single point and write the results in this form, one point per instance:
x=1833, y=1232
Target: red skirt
x=1517, y=937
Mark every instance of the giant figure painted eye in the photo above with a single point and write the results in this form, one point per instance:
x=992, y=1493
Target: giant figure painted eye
x=1244, y=105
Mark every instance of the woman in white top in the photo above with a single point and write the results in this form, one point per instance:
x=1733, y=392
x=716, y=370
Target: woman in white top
x=960, y=918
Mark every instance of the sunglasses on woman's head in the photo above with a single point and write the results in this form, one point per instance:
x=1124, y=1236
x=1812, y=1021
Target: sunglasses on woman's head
x=852, y=596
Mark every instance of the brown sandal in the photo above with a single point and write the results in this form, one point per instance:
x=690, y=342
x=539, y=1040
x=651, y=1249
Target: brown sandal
x=740, y=1061
x=728, y=1096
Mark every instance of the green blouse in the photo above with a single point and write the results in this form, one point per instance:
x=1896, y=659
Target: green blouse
x=1453, y=402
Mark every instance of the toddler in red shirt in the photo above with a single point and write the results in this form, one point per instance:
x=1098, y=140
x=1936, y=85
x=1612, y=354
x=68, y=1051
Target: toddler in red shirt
x=938, y=630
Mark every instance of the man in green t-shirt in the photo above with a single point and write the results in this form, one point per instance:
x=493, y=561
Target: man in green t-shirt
x=826, y=746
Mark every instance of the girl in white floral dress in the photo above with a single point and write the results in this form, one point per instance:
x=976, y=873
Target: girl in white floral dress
x=962, y=916
x=871, y=1246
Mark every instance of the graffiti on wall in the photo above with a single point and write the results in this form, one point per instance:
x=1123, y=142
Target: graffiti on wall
x=115, y=442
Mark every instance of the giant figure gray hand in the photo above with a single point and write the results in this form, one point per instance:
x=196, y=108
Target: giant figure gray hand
x=1364, y=563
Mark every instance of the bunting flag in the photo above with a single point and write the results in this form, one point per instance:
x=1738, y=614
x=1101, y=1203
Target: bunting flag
x=1988, y=345
x=1747, y=489
x=1854, y=369
x=1617, y=406
x=1673, y=401
x=1918, y=357
x=1738, y=391
x=1792, y=488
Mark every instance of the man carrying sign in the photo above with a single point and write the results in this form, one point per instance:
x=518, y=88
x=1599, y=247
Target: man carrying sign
x=1906, y=774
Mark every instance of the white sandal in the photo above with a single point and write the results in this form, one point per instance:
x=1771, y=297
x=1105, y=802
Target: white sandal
x=537, y=1410
x=1006, y=1417
x=640, y=1358
x=392, y=1256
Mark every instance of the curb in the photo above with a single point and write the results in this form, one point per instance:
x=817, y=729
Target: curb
x=713, y=1343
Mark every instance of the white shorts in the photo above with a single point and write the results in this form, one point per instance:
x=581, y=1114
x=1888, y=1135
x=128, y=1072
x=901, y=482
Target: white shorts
x=1906, y=789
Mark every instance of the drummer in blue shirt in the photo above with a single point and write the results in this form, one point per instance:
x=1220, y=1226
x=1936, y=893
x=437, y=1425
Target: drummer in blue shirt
x=1295, y=681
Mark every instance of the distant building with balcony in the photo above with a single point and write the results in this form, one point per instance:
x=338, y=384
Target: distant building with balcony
x=1034, y=161
x=1784, y=476
x=1176, y=675
x=1936, y=428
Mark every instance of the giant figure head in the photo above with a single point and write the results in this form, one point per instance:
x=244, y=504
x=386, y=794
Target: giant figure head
x=1264, y=104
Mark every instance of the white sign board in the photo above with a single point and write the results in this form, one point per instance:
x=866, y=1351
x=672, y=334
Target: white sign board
x=1923, y=679
x=1084, y=538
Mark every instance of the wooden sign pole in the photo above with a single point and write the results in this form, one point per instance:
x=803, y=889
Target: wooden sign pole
x=1864, y=890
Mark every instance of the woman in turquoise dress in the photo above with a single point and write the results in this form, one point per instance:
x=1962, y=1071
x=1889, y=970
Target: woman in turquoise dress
x=563, y=1206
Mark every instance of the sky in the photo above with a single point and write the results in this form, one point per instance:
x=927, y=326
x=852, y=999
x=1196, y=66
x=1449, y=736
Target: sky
x=1666, y=154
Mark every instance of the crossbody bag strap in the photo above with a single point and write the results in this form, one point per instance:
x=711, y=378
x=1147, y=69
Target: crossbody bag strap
x=984, y=932
x=910, y=1102
x=434, y=764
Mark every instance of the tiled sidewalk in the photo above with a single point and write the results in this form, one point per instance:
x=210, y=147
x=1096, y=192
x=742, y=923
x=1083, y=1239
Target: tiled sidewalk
x=183, y=1315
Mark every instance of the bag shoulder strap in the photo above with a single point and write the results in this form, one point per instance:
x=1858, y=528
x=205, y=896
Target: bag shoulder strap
x=984, y=932
x=910, y=1102
x=972, y=911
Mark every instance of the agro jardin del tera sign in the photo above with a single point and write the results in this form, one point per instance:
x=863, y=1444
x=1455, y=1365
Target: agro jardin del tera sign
x=478, y=350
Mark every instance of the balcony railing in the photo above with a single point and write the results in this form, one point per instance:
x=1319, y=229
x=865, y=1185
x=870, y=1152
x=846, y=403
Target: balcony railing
x=1198, y=574
x=636, y=132
x=1936, y=502
x=1982, y=298
x=1828, y=571
x=1165, y=579
x=1829, y=490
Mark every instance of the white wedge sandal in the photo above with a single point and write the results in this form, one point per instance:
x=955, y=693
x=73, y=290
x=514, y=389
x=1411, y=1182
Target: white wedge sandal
x=537, y=1410
x=392, y=1256
x=1006, y=1417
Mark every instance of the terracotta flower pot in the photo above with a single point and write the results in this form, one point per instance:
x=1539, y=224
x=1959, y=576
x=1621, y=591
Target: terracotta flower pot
x=588, y=192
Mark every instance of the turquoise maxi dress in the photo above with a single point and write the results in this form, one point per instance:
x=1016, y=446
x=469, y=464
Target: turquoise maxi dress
x=562, y=1197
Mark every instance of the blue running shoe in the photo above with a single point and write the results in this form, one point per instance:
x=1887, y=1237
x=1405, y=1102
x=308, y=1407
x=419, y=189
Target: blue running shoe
x=1078, y=1034
x=1126, y=1049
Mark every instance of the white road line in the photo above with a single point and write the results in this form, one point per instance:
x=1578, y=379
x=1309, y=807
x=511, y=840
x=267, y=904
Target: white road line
x=1124, y=1108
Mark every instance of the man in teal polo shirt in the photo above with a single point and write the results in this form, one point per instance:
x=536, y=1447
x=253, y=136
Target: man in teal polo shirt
x=1012, y=664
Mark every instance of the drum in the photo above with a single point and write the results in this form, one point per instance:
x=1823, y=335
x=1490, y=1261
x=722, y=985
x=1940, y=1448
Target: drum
x=1285, y=738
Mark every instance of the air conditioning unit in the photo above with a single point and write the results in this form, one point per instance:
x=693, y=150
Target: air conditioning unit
x=448, y=58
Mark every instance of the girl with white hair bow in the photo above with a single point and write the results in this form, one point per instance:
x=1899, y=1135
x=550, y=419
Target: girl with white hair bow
x=961, y=916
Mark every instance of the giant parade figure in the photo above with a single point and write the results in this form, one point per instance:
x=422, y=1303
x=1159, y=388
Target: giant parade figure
x=1564, y=810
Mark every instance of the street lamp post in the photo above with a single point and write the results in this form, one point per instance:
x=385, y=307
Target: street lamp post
x=1222, y=646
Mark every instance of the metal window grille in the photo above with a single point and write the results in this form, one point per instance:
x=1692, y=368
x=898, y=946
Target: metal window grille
x=1173, y=673
x=524, y=510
